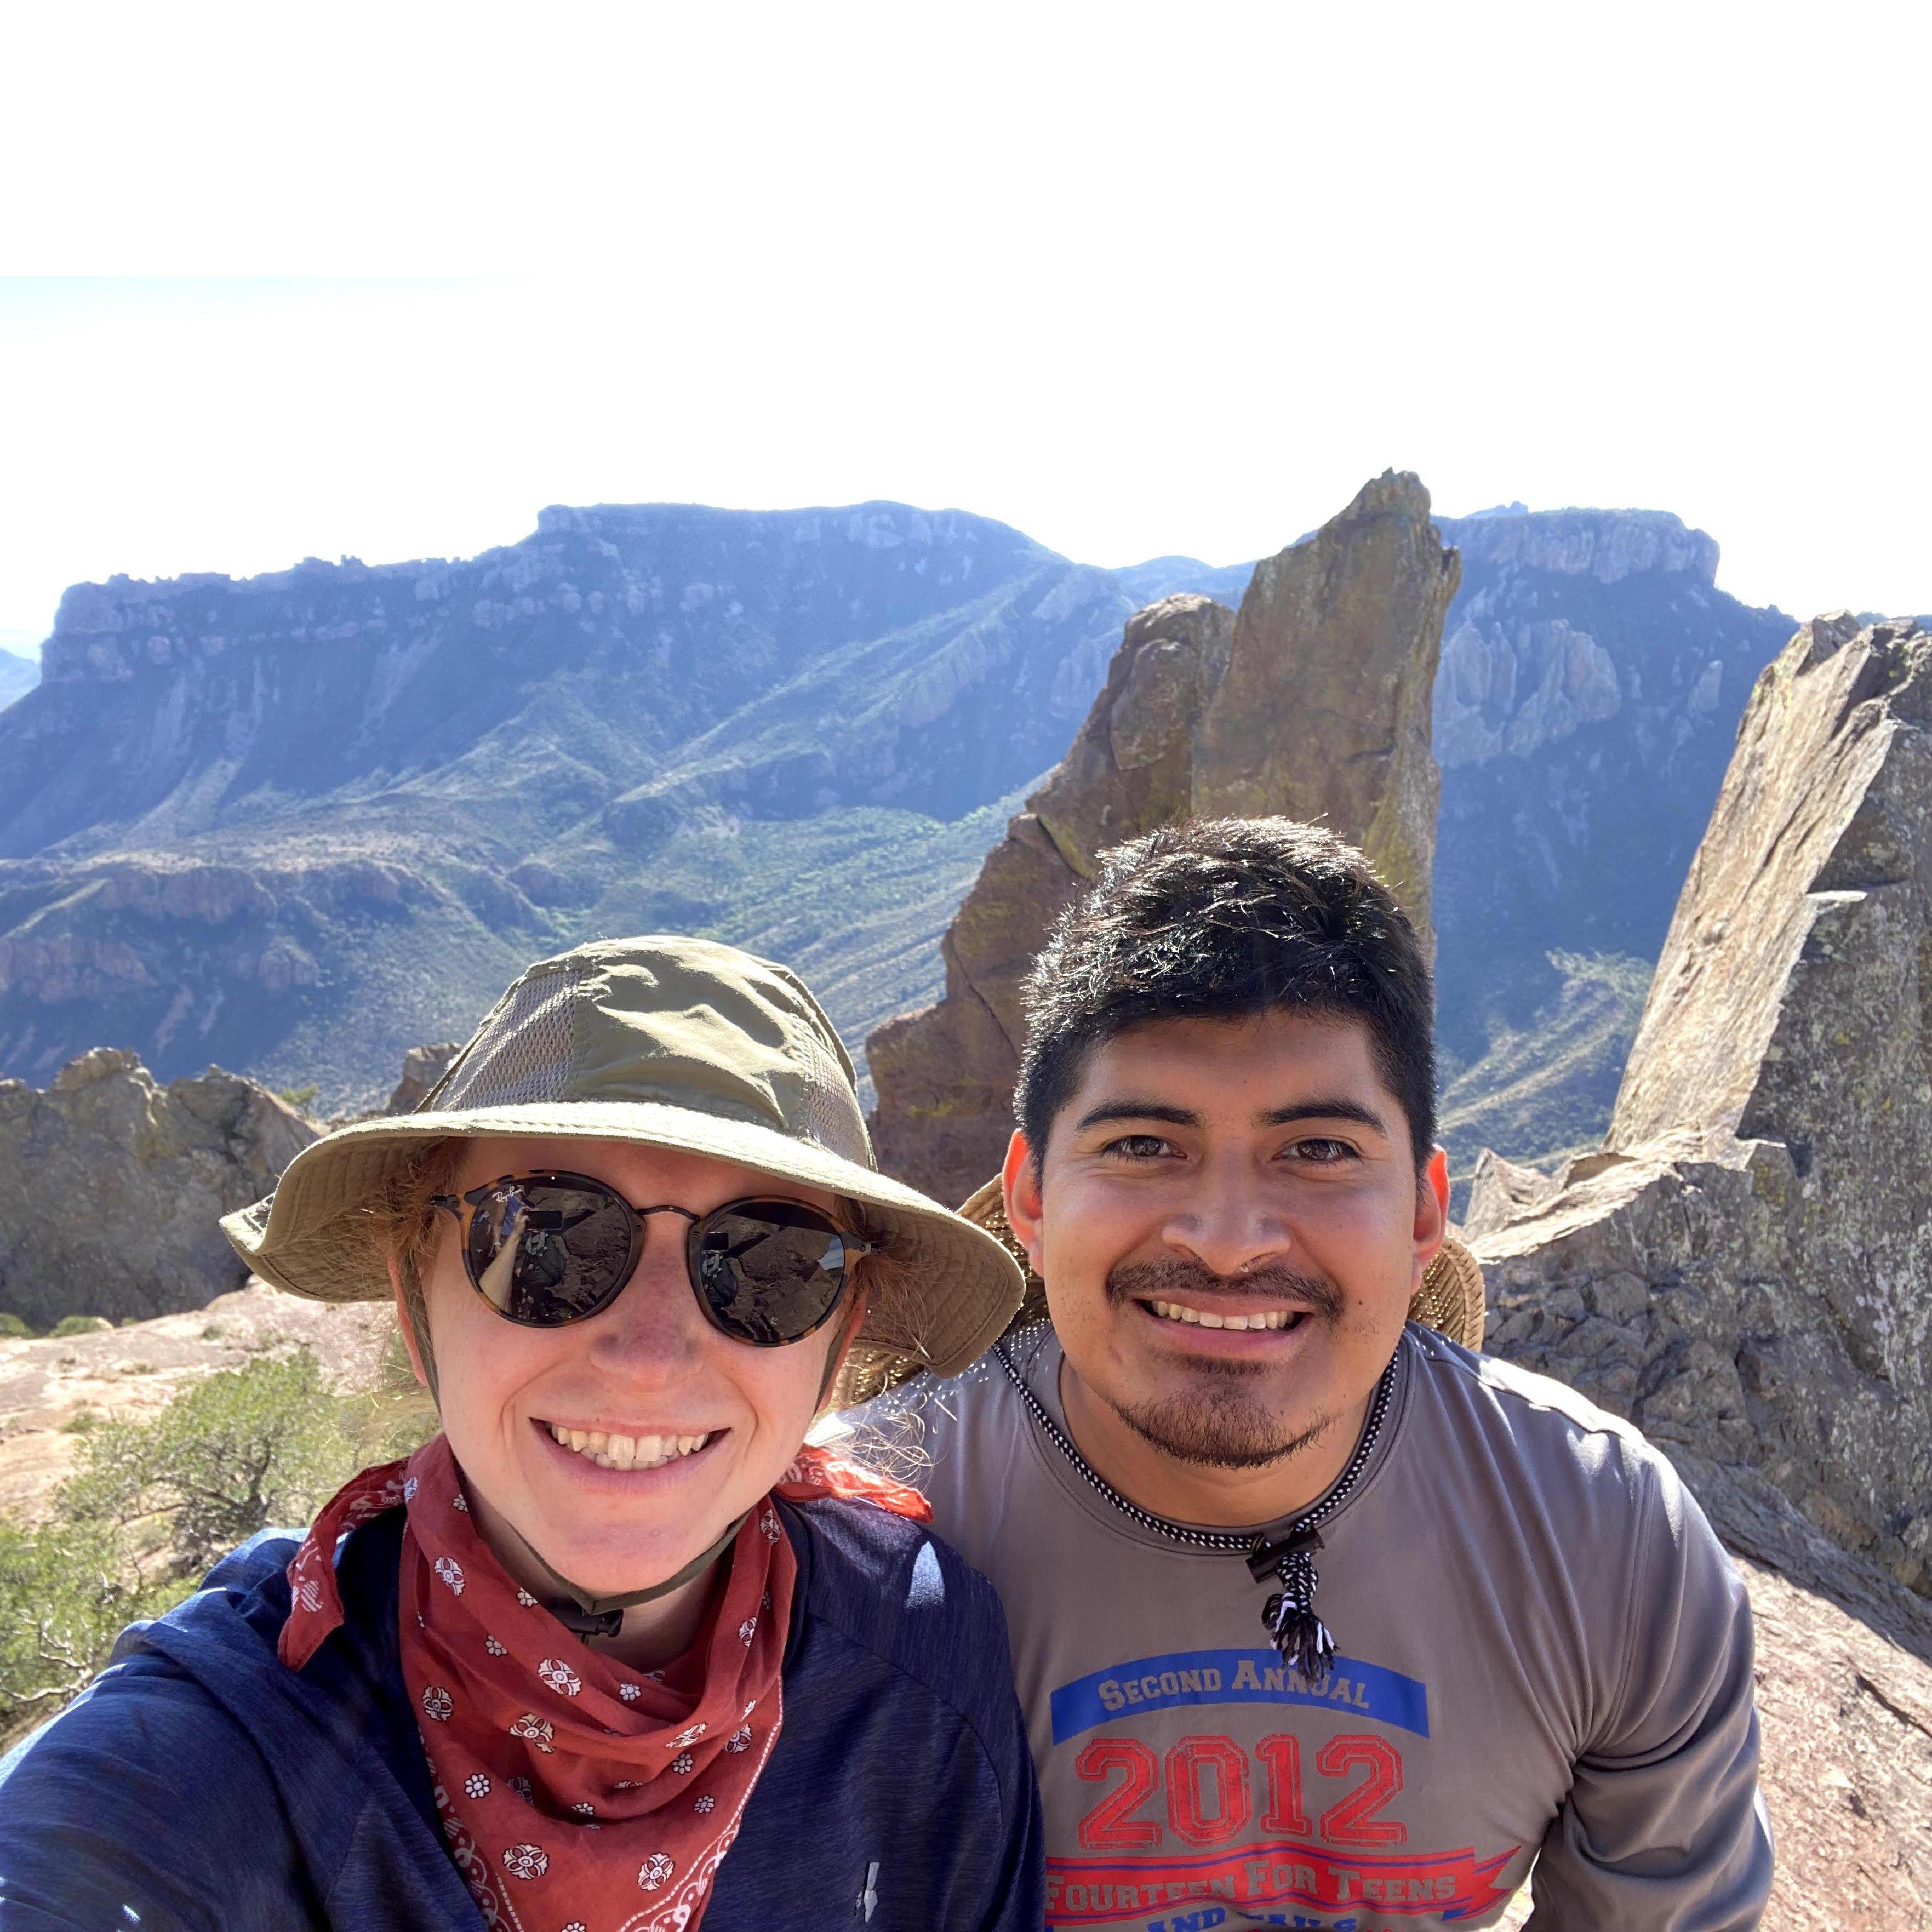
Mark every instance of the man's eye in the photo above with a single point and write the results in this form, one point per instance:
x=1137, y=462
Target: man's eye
x=1138, y=1147
x=1321, y=1154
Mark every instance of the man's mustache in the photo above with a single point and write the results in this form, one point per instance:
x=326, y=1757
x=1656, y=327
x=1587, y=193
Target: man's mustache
x=1174, y=1280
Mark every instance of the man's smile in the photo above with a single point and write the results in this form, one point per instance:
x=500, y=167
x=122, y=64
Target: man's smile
x=1204, y=1318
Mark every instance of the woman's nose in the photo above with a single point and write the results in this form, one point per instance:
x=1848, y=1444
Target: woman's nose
x=655, y=1322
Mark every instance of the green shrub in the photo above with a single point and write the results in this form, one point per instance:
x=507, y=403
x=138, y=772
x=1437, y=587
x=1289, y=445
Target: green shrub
x=240, y=1451
x=65, y=1593
x=80, y=1324
x=151, y=1505
x=299, y=1097
x=12, y=1328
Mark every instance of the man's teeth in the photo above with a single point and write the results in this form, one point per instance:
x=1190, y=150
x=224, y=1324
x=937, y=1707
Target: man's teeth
x=627, y=1452
x=1275, y=1317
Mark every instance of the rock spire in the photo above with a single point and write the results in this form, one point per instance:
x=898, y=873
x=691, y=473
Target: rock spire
x=1314, y=703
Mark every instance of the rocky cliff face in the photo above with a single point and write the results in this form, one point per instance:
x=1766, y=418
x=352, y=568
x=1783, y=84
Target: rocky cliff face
x=1313, y=703
x=1743, y=1269
x=111, y=1185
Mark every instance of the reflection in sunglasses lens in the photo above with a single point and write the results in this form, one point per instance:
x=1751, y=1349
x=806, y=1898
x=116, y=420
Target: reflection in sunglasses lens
x=546, y=1254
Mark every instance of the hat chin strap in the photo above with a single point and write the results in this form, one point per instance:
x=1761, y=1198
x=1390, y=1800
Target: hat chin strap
x=590, y=1617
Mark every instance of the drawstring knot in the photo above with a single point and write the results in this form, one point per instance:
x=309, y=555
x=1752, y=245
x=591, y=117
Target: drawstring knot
x=1288, y=1615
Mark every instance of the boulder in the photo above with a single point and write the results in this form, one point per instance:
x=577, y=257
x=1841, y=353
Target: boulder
x=1314, y=703
x=1745, y=1268
x=111, y=1185
x=423, y=1066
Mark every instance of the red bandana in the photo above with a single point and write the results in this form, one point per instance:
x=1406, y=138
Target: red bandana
x=576, y=1793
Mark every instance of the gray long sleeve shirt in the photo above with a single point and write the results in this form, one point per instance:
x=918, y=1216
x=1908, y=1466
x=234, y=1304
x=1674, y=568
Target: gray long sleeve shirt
x=1544, y=1653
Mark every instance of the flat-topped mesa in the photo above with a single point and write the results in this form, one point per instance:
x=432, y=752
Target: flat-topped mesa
x=1746, y=1269
x=1313, y=704
x=1607, y=545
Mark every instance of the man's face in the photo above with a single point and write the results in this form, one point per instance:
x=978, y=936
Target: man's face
x=1230, y=1226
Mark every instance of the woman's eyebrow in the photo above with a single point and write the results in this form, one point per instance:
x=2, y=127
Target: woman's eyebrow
x=1333, y=1109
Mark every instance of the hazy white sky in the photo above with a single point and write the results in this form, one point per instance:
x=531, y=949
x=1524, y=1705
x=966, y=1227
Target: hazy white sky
x=1136, y=278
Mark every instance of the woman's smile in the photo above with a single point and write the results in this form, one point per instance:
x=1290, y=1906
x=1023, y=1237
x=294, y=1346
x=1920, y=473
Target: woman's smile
x=628, y=1451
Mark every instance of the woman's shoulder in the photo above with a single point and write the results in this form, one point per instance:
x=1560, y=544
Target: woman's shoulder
x=892, y=1586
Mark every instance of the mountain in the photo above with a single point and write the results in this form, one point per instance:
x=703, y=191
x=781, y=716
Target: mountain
x=18, y=676
x=298, y=823
x=1592, y=679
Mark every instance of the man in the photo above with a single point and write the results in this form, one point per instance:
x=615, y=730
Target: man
x=1226, y=1445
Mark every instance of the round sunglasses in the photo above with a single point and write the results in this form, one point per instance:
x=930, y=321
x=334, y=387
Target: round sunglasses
x=544, y=1250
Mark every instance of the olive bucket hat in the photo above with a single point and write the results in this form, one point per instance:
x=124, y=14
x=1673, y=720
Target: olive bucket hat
x=670, y=1043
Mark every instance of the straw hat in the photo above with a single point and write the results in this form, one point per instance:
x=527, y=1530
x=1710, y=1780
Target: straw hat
x=1451, y=1299
x=671, y=1042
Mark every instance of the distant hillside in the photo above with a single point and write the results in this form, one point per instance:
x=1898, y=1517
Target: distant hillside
x=18, y=676
x=1592, y=679
x=297, y=823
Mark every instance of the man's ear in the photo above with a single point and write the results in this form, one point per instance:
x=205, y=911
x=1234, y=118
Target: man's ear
x=1431, y=1212
x=1019, y=1180
x=409, y=1328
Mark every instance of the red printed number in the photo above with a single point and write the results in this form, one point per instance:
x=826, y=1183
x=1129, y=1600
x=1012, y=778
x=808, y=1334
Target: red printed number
x=1186, y=1764
x=1282, y=1755
x=1109, y=1826
x=1353, y=1821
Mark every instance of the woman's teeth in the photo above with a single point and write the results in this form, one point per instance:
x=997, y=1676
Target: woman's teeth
x=1275, y=1317
x=627, y=1452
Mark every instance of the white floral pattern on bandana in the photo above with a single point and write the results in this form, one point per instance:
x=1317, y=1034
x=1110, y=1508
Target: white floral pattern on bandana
x=559, y=1675
x=535, y=1730
x=451, y=1571
x=526, y=1861
x=437, y=1703
x=656, y=1871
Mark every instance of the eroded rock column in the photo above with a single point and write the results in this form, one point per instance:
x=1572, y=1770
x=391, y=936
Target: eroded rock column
x=1314, y=704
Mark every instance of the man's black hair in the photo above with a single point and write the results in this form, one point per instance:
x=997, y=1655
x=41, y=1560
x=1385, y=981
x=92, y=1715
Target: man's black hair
x=1224, y=919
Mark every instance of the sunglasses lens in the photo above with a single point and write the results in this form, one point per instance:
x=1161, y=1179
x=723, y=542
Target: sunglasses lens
x=769, y=1271
x=544, y=1254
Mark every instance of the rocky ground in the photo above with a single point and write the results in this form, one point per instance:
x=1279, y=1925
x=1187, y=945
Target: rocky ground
x=131, y=1372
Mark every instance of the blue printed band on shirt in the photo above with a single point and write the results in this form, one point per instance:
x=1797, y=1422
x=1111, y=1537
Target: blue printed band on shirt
x=1236, y=1677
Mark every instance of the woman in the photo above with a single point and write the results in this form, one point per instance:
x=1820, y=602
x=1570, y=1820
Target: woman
x=614, y=1651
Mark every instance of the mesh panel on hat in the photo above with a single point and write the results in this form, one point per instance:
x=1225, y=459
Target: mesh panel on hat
x=521, y=1057
x=827, y=1110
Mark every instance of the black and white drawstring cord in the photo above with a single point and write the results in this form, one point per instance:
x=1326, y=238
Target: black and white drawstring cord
x=1288, y=1616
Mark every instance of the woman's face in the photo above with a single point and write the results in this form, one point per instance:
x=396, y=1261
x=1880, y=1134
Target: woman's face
x=728, y=1416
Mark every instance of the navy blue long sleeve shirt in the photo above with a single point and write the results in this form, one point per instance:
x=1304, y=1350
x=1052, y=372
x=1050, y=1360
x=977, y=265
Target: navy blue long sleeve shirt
x=200, y=1784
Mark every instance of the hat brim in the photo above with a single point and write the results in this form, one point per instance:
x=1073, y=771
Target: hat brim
x=309, y=1236
x=1451, y=1300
